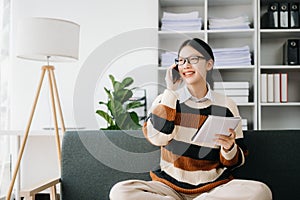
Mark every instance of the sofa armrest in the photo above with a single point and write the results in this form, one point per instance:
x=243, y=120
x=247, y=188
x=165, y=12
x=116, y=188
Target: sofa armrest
x=29, y=194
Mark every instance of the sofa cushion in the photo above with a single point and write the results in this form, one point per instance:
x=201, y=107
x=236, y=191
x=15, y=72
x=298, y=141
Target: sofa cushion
x=273, y=159
x=93, y=161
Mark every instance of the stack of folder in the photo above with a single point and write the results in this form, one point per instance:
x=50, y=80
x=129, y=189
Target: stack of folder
x=274, y=87
x=241, y=22
x=167, y=58
x=238, y=91
x=282, y=15
x=181, y=21
x=240, y=56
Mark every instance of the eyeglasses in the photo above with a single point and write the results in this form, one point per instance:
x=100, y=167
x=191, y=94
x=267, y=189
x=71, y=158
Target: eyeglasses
x=190, y=60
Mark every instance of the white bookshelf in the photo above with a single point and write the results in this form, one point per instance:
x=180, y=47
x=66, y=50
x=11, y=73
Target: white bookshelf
x=270, y=60
x=171, y=40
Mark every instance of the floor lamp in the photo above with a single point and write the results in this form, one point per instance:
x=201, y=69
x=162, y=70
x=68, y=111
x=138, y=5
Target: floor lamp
x=48, y=40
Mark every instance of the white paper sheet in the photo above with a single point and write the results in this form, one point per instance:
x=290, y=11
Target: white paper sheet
x=215, y=125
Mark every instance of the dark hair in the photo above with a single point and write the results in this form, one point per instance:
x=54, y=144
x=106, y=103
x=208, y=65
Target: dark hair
x=205, y=50
x=200, y=46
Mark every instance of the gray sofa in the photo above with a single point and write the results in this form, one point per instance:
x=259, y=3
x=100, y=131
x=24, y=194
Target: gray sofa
x=93, y=161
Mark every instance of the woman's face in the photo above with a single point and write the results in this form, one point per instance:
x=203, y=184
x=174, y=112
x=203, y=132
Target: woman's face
x=193, y=73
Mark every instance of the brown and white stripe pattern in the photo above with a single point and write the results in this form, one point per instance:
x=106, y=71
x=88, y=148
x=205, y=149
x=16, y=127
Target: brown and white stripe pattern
x=186, y=166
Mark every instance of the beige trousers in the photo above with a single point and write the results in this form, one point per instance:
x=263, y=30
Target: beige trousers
x=153, y=190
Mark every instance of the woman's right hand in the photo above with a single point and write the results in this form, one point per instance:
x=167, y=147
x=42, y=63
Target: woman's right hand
x=171, y=85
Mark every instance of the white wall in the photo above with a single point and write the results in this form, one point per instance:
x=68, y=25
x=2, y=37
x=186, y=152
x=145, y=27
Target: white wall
x=100, y=21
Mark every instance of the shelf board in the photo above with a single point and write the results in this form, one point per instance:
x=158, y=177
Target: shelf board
x=251, y=67
x=231, y=33
x=171, y=3
x=281, y=67
x=180, y=34
x=245, y=104
x=279, y=33
x=178, y=3
x=281, y=104
x=229, y=2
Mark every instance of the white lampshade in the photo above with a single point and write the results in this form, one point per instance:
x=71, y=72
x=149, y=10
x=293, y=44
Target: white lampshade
x=39, y=38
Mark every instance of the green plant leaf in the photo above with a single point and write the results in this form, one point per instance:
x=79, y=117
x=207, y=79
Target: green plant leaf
x=128, y=121
x=123, y=95
x=115, y=107
x=112, y=78
x=121, y=120
x=134, y=104
x=134, y=88
x=108, y=92
x=102, y=103
x=127, y=81
x=134, y=117
x=105, y=116
x=117, y=86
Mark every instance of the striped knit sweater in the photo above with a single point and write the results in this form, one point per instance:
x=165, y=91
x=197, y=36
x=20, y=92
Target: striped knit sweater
x=186, y=166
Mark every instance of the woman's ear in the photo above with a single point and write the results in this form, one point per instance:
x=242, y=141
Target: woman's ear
x=209, y=65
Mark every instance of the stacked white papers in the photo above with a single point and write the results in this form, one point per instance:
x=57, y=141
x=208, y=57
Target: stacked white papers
x=232, y=56
x=241, y=22
x=181, y=21
x=237, y=91
x=168, y=58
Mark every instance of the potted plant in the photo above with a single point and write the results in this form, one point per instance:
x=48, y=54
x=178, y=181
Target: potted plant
x=119, y=114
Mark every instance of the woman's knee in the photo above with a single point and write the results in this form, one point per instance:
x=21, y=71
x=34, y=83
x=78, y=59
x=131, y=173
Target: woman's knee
x=262, y=191
x=118, y=190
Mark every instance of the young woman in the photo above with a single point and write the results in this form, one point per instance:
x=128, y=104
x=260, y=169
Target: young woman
x=189, y=169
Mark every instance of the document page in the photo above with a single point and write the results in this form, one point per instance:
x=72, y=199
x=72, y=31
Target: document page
x=215, y=125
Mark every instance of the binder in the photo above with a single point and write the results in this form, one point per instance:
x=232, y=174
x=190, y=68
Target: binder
x=284, y=15
x=264, y=88
x=264, y=20
x=294, y=15
x=276, y=87
x=273, y=15
x=283, y=87
x=291, y=52
x=270, y=90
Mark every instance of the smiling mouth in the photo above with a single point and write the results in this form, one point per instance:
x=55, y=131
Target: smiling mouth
x=188, y=73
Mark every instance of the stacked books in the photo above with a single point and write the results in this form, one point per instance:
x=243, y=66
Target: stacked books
x=167, y=58
x=238, y=91
x=239, y=56
x=274, y=87
x=181, y=21
x=241, y=22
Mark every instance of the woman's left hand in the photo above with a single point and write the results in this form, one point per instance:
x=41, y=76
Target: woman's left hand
x=226, y=142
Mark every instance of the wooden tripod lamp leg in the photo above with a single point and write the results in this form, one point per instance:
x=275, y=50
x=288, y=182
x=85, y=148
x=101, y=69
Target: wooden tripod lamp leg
x=25, y=137
x=49, y=69
x=58, y=102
